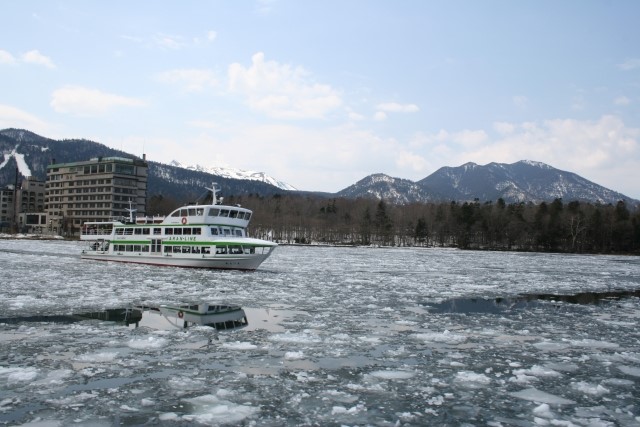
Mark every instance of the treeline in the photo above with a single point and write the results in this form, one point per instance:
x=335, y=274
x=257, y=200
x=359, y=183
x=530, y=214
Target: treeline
x=575, y=227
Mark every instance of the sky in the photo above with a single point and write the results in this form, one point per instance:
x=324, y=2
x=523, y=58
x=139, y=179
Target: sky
x=321, y=94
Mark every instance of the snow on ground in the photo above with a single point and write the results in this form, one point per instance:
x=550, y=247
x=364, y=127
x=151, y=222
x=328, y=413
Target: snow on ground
x=336, y=336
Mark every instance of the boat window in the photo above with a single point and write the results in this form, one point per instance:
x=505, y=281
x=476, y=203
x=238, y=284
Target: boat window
x=186, y=249
x=227, y=232
x=224, y=212
x=206, y=250
x=186, y=230
x=247, y=216
x=249, y=250
x=177, y=231
x=199, y=212
x=240, y=215
x=168, y=249
x=214, y=231
x=214, y=212
x=157, y=231
x=238, y=232
x=146, y=230
x=197, y=231
x=195, y=250
x=221, y=249
x=128, y=231
x=168, y=231
x=192, y=212
x=137, y=231
x=119, y=231
x=235, y=249
x=233, y=214
x=129, y=248
x=175, y=213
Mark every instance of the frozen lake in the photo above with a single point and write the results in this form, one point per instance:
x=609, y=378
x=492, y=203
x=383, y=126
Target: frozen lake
x=336, y=336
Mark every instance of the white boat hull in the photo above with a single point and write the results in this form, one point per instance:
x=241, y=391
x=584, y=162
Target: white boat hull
x=247, y=262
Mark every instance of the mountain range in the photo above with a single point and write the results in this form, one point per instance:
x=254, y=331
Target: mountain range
x=523, y=181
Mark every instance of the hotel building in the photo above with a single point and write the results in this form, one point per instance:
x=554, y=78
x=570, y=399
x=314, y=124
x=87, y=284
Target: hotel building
x=101, y=189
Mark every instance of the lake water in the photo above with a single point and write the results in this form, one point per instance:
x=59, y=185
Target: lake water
x=336, y=336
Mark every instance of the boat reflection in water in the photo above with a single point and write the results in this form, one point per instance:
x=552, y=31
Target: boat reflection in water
x=219, y=316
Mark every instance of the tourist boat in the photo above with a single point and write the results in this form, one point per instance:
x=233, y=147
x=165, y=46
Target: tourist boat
x=199, y=236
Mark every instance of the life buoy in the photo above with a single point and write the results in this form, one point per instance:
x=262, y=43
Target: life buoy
x=180, y=314
x=184, y=220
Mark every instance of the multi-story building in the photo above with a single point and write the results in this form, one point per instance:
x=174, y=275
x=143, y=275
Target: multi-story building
x=100, y=189
x=31, y=195
x=7, y=208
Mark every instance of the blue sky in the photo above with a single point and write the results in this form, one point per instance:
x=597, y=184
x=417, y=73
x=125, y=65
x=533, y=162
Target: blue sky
x=322, y=94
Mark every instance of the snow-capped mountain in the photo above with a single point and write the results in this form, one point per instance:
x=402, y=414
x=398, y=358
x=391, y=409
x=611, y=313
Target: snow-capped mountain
x=393, y=190
x=523, y=181
x=237, y=174
x=31, y=154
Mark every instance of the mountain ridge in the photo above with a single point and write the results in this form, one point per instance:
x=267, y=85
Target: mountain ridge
x=522, y=181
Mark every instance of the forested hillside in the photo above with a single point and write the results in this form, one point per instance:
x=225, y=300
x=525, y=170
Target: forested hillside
x=556, y=227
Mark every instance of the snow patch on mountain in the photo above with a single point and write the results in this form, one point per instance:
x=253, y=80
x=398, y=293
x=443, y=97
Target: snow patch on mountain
x=237, y=174
x=23, y=168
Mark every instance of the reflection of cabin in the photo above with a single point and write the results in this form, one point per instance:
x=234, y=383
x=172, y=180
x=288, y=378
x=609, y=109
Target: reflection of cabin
x=128, y=316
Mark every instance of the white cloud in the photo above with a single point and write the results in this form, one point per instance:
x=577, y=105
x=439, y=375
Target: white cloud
x=282, y=91
x=394, y=107
x=380, y=116
x=520, y=101
x=504, y=128
x=169, y=42
x=212, y=35
x=35, y=57
x=6, y=58
x=622, y=101
x=193, y=80
x=12, y=117
x=630, y=64
x=81, y=101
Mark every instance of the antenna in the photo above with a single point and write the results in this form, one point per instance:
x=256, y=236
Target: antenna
x=214, y=193
x=131, y=211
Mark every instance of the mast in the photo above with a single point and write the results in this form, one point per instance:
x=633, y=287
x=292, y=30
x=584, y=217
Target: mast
x=131, y=211
x=214, y=193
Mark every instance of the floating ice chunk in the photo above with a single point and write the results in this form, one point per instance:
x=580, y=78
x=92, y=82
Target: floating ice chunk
x=592, y=389
x=169, y=416
x=43, y=423
x=543, y=411
x=294, y=355
x=339, y=410
x=56, y=377
x=237, y=345
x=102, y=357
x=370, y=340
x=535, y=395
x=441, y=337
x=471, y=379
x=209, y=409
x=392, y=375
x=634, y=371
x=18, y=375
x=298, y=338
x=150, y=343
x=593, y=343
x=537, y=371
x=147, y=402
x=550, y=346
